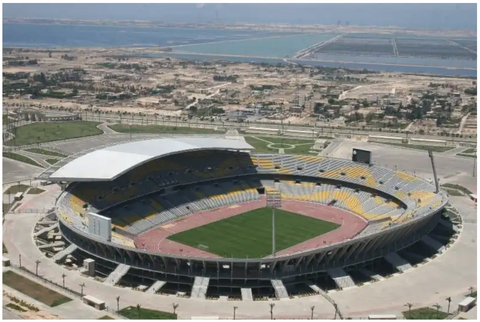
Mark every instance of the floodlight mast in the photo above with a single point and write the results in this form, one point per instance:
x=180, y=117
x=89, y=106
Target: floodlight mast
x=273, y=201
x=273, y=231
x=430, y=154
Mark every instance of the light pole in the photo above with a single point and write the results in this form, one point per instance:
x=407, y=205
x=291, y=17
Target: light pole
x=409, y=309
x=312, y=308
x=272, y=305
x=174, y=307
x=336, y=310
x=81, y=289
x=234, y=309
x=474, y=165
x=63, y=279
x=118, y=303
x=273, y=231
x=20, y=260
x=37, y=262
x=449, y=300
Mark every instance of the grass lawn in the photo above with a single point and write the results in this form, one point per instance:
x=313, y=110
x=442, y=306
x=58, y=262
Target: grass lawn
x=454, y=192
x=16, y=188
x=53, y=131
x=467, y=155
x=133, y=313
x=21, y=158
x=125, y=128
x=457, y=187
x=33, y=289
x=46, y=152
x=258, y=142
x=35, y=191
x=471, y=150
x=250, y=234
x=422, y=147
x=474, y=294
x=424, y=313
x=106, y=317
x=52, y=161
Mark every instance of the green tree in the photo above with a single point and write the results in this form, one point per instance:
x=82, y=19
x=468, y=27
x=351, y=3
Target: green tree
x=370, y=117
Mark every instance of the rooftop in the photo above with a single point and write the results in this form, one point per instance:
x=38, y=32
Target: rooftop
x=109, y=163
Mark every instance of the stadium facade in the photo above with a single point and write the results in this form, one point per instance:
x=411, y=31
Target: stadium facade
x=146, y=184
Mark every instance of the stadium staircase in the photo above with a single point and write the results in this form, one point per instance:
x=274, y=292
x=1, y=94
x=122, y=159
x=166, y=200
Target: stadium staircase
x=324, y=294
x=314, y=287
x=52, y=245
x=45, y=230
x=414, y=256
x=62, y=254
x=199, y=288
x=371, y=274
x=449, y=225
x=429, y=241
x=155, y=287
x=398, y=262
x=117, y=274
x=247, y=294
x=280, y=290
x=341, y=278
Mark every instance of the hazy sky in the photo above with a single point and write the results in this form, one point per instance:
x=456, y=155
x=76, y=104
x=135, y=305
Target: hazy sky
x=427, y=16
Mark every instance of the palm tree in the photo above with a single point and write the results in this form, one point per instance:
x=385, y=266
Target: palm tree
x=175, y=306
x=438, y=307
x=272, y=305
x=449, y=300
x=471, y=289
x=409, y=309
x=312, y=308
x=138, y=310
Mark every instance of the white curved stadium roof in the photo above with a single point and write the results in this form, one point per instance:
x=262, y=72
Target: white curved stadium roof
x=111, y=162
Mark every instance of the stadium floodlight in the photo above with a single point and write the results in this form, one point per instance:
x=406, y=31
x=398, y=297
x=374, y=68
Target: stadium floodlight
x=274, y=200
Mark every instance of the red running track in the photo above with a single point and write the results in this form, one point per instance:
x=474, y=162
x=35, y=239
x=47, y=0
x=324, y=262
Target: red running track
x=156, y=240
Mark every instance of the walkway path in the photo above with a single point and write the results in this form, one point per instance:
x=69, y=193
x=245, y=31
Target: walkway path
x=106, y=130
x=39, y=158
x=462, y=123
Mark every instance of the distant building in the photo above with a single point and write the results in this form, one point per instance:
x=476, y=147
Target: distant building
x=296, y=109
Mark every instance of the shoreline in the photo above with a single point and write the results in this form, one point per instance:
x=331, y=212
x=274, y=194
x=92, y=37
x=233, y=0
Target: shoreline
x=310, y=28
x=288, y=60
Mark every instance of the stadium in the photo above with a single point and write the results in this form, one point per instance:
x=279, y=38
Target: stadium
x=193, y=216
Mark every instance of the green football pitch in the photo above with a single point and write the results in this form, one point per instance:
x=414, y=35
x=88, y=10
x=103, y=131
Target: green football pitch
x=250, y=234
